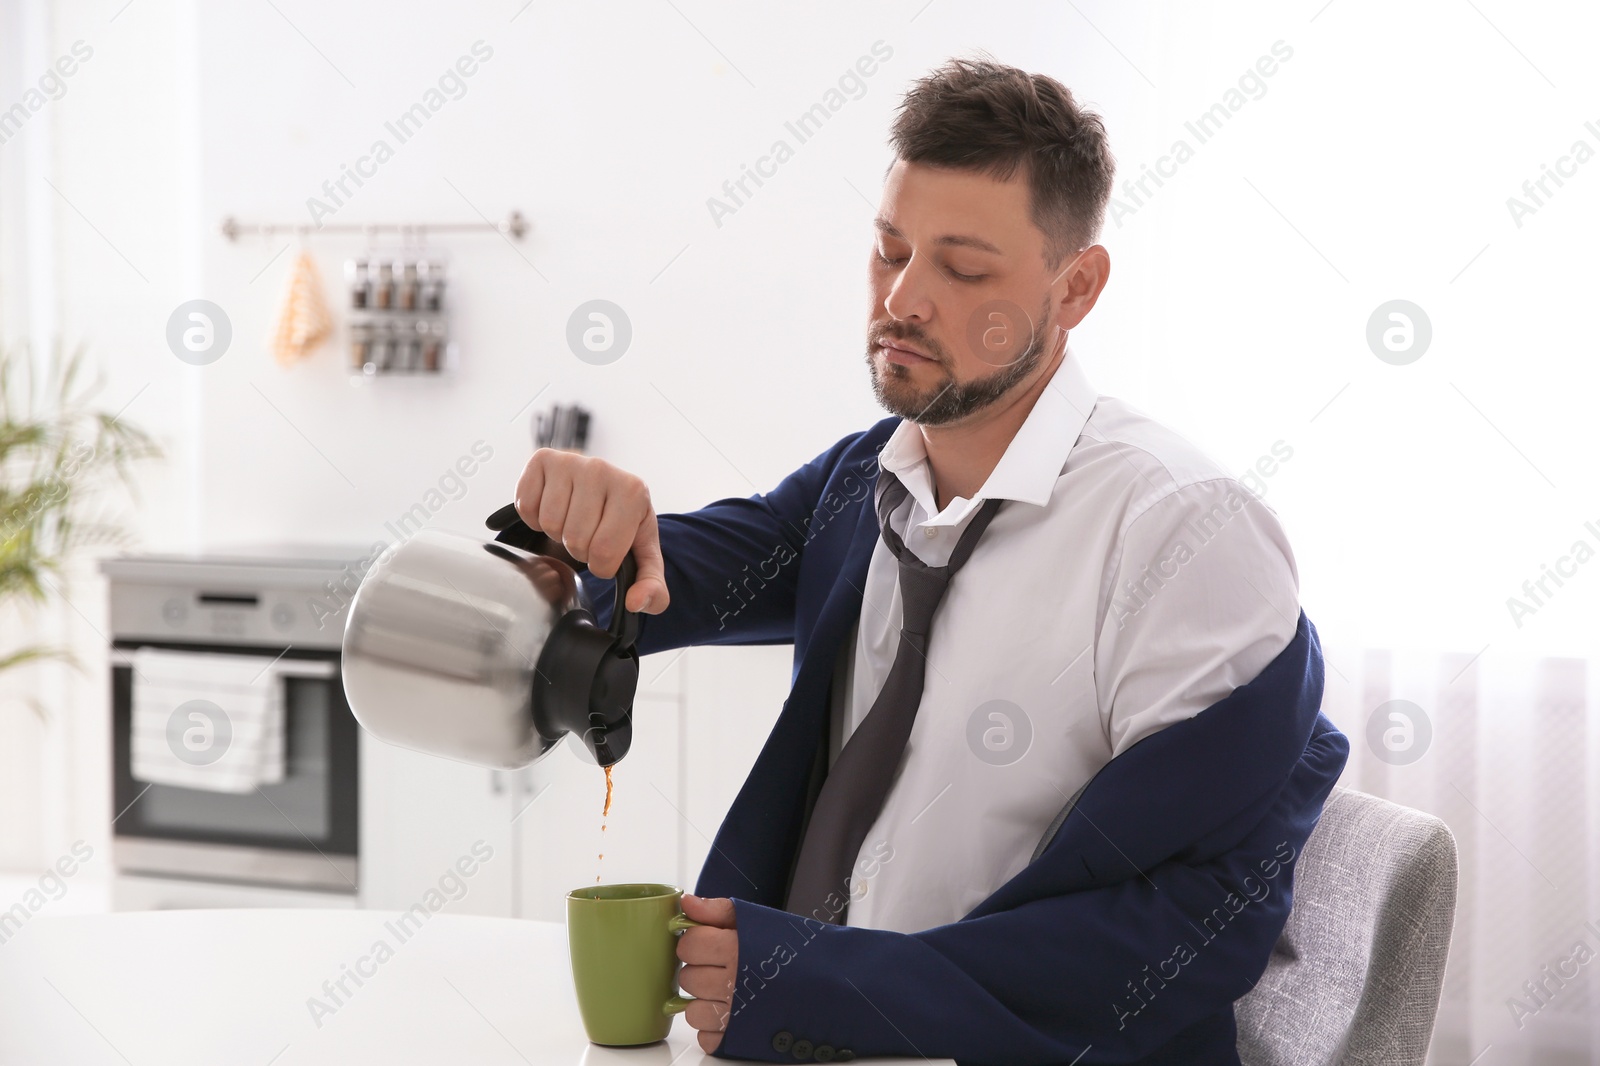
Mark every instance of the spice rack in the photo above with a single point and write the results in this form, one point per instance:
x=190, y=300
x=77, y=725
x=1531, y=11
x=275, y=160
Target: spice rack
x=399, y=322
x=398, y=318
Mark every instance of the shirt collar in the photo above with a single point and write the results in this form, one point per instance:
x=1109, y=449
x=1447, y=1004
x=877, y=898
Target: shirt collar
x=1032, y=462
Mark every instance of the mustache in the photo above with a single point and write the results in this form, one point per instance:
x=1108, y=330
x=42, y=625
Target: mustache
x=879, y=335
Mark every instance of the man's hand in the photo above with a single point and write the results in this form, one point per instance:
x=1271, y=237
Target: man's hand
x=598, y=513
x=711, y=963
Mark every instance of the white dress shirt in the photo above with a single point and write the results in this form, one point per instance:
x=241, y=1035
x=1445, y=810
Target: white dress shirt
x=1128, y=583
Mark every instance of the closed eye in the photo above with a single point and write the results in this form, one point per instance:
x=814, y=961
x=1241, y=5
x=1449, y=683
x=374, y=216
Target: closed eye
x=886, y=261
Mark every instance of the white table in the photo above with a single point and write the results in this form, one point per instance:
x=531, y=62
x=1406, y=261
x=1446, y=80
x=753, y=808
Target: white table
x=231, y=988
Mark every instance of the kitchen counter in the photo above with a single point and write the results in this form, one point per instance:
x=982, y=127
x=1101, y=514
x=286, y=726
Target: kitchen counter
x=260, y=988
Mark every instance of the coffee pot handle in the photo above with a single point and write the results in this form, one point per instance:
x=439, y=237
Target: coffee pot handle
x=511, y=529
x=625, y=623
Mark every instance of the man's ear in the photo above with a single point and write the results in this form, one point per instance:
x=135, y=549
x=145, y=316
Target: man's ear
x=1091, y=271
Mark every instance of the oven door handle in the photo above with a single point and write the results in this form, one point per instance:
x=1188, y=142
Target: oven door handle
x=306, y=668
x=321, y=668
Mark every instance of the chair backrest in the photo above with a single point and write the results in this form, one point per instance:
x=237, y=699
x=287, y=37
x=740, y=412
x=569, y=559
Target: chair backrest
x=1355, y=977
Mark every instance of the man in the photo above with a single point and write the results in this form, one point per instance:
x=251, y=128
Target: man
x=1011, y=588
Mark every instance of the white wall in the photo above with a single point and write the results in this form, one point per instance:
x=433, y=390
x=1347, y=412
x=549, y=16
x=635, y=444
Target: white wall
x=1418, y=500
x=609, y=130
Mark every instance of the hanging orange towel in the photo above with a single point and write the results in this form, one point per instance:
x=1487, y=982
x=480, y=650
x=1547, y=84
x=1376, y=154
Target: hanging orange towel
x=303, y=319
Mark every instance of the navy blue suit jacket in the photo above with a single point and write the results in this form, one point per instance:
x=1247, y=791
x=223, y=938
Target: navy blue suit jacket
x=1153, y=907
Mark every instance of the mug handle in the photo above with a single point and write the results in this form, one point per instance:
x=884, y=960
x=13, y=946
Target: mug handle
x=678, y=1004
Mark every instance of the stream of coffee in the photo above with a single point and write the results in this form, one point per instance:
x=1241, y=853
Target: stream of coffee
x=605, y=813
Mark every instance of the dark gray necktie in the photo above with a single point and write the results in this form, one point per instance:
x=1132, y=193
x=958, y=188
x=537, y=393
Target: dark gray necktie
x=853, y=793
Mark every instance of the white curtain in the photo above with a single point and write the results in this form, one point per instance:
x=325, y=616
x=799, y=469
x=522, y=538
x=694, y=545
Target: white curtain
x=1505, y=749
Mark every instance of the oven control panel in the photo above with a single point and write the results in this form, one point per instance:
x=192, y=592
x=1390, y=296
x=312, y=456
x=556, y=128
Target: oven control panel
x=299, y=595
x=304, y=617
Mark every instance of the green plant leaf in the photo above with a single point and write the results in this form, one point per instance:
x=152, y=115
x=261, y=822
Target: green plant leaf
x=60, y=457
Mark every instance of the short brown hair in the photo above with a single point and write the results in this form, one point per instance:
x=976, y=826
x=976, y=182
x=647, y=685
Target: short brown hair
x=976, y=114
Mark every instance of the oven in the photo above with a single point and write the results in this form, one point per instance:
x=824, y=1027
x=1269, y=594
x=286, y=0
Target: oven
x=279, y=614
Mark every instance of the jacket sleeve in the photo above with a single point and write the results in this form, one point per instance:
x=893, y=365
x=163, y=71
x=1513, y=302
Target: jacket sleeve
x=732, y=566
x=1110, y=973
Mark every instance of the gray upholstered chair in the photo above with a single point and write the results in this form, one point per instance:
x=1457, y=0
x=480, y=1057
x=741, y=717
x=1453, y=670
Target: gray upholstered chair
x=1355, y=977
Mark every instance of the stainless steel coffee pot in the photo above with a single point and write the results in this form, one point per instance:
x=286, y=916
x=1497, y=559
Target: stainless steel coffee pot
x=490, y=653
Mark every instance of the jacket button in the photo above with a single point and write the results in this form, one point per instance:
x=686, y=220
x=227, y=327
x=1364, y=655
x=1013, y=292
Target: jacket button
x=824, y=1053
x=844, y=1054
x=801, y=1050
x=782, y=1040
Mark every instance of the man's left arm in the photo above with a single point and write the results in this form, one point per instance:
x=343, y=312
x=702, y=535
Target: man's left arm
x=1202, y=594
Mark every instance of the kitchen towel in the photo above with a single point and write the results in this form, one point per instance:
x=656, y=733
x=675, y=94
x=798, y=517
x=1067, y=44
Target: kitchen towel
x=207, y=721
x=303, y=319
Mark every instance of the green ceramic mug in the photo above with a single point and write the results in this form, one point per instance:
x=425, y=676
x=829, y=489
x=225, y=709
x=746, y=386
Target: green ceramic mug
x=624, y=945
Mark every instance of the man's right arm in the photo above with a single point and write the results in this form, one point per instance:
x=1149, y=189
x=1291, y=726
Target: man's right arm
x=695, y=582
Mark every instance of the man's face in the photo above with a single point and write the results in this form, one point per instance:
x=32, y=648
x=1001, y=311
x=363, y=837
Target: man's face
x=962, y=299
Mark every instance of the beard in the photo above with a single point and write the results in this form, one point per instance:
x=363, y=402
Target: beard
x=948, y=400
